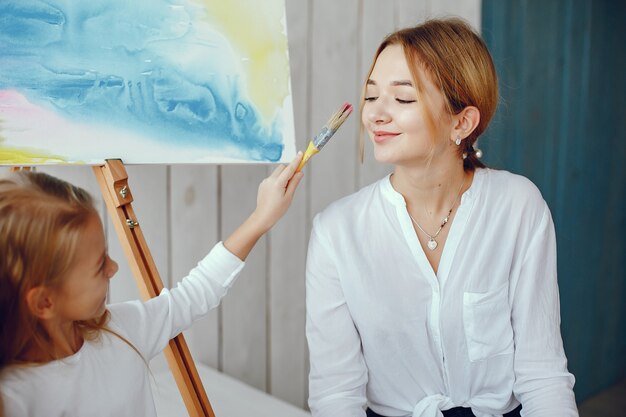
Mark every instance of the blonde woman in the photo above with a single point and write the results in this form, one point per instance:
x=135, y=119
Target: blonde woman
x=63, y=350
x=433, y=292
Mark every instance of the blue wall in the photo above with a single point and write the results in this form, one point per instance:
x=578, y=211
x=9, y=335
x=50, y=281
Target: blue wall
x=562, y=123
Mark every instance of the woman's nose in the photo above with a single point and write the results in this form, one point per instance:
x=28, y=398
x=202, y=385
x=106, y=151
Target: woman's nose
x=377, y=113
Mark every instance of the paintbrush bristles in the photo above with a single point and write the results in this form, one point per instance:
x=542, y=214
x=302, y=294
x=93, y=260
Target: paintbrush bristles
x=340, y=116
x=333, y=124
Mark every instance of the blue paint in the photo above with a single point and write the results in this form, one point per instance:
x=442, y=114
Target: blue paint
x=150, y=66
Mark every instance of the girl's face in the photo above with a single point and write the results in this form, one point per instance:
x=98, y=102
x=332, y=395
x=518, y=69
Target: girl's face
x=83, y=293
x=395, y=118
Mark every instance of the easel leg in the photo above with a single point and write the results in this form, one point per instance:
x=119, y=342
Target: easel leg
x=113, y=181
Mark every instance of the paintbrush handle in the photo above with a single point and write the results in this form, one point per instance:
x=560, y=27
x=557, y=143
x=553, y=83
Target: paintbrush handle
x=310, y=151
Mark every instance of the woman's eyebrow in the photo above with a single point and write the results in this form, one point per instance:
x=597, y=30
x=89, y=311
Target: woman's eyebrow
x=407, y=83
x=402, y=82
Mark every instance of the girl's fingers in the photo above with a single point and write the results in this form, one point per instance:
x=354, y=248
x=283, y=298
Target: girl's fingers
x=290, y=169
x=280, y=168
x=293, y=184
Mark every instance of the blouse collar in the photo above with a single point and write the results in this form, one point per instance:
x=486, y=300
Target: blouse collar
x=398, y=199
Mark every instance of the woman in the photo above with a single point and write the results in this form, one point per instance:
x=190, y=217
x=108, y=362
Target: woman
x=433, y=291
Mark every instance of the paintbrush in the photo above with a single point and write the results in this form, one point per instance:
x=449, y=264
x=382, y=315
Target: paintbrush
x=326, y=133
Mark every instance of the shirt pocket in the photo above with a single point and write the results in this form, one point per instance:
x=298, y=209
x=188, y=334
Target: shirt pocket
x=487, y=323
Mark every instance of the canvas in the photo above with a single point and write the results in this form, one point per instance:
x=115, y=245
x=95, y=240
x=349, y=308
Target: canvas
x=146, y=81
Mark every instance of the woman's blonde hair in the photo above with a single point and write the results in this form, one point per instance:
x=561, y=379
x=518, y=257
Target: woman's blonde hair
x=458, y=63
x=41, y=220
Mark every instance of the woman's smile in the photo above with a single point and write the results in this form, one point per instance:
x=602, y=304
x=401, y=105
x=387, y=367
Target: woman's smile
x=381, y=136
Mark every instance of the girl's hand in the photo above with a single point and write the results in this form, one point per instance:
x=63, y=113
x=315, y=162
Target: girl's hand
x=276, y=193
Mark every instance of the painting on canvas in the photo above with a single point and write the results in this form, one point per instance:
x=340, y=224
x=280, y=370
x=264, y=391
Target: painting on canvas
x=145, y=81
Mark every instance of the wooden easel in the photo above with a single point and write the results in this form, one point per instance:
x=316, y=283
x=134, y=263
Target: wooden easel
x=113, y=181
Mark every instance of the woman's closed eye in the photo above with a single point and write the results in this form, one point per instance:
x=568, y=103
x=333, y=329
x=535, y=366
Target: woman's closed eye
x=399, y=100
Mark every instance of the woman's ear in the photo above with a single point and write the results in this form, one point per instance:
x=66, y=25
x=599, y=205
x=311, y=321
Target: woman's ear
x=40, y=302
x=466, y=122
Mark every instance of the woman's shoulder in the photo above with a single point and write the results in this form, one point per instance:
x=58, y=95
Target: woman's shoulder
x=512, y=196
x=502, y=184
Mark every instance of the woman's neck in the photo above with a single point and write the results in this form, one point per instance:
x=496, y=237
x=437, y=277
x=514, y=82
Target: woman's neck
x=432, y=188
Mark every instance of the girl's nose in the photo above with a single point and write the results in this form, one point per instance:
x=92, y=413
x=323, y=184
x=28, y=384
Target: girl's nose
x=112, y=268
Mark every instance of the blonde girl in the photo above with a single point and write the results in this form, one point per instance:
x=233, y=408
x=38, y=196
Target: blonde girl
x=63, y=350
x=433, y=291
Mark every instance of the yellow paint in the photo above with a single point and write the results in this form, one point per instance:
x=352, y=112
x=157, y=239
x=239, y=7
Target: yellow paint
x=256, y=32
x=12, y=156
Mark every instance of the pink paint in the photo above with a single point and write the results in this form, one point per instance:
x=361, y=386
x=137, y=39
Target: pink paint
x=16, y=110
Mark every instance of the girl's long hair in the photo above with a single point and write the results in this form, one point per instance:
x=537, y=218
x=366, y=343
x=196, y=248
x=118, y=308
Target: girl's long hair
x=41, y=221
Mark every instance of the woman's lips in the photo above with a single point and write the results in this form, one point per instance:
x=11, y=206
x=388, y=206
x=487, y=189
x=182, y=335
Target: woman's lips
x=382, y=136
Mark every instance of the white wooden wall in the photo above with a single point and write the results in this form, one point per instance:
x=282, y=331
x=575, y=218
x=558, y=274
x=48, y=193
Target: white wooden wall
x=257, y=334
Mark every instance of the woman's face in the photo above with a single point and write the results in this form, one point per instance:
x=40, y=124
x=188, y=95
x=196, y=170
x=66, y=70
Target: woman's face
x=395, y=118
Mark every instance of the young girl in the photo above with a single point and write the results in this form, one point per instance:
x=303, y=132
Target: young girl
x=433, y=291
x=63, y=351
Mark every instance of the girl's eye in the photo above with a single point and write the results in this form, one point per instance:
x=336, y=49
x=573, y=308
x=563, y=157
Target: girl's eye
x=370, y=98
x=399, y=100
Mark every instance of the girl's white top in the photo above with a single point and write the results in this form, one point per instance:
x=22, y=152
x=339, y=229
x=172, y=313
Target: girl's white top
x=385, y=330
x=107, y=377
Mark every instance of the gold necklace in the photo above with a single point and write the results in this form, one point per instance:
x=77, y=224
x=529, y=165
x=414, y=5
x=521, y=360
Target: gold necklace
x=432, y=243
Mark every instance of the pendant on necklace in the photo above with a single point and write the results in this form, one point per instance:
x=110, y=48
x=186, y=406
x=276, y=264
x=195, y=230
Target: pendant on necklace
x=432, y=244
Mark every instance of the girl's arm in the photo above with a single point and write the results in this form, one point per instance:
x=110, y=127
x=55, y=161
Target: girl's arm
x=273, y=199
x=150, y=325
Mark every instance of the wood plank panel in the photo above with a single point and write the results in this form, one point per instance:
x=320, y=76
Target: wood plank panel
x=194, y=230
x=410, y=13
x=244, y=322
x=334, y=65
x=470, y=10
x=287, y=355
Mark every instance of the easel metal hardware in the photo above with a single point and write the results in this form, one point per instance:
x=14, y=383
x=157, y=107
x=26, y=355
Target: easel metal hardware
x=19, y=168
x=113, y=181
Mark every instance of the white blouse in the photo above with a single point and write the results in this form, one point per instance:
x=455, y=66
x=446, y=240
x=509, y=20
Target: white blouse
x=385, y=331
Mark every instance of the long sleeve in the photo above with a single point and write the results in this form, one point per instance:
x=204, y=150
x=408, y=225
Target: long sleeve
x=150, y=325
x=106, y=376
x=338, y=374
x=542, y=382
